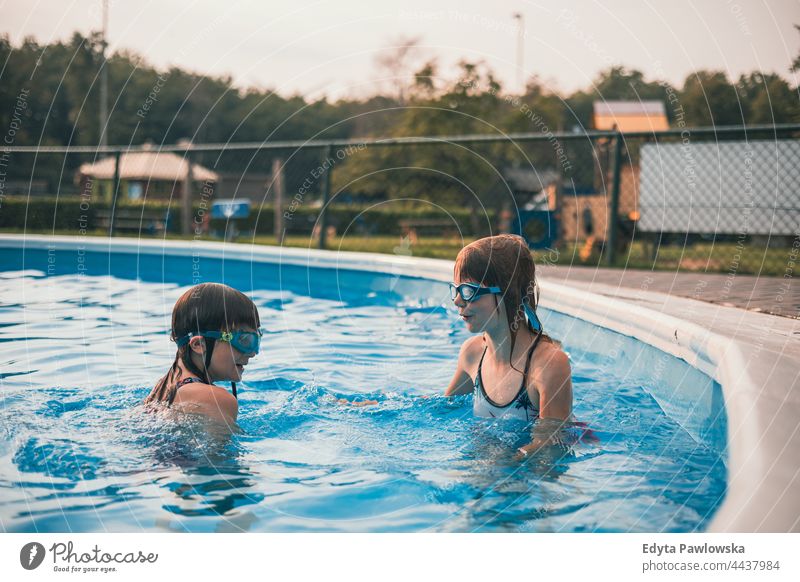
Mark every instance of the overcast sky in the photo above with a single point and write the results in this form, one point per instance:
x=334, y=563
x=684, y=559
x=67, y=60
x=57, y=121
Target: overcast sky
x=329, y=47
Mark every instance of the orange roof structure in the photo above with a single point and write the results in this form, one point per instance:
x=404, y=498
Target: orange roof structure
x=148, y=166
x=630, y=116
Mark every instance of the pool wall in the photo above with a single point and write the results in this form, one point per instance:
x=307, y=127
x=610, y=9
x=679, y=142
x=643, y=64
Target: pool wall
x=754, y=357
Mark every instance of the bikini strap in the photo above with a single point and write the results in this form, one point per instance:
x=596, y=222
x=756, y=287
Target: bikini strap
x=480, y=364
x=527, y=361
x=187, y=381
x=530, y=357
x=523, y=385
x=192, y=379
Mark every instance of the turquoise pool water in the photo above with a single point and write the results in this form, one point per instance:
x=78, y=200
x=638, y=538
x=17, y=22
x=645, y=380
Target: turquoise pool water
x=84, y=337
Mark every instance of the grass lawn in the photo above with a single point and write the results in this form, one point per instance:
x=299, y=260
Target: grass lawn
x=700, y=257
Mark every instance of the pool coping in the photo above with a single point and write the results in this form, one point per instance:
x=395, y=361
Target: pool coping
x=755, y=357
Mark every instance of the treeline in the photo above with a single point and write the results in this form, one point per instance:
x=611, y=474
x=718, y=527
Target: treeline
x=50, y=95
x=63, y=93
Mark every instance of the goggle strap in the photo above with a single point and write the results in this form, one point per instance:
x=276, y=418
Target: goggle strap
x=533, y=319
x=224, y=336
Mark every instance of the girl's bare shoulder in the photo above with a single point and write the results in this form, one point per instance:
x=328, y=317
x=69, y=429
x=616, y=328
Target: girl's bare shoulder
x=471, y=350
x=207, y=399
x=550, y=360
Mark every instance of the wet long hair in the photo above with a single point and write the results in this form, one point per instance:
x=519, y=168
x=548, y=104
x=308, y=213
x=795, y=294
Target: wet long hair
x=503, y=261
x=204, y=307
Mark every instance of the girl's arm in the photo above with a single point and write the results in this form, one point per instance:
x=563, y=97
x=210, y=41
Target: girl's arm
x=554, y=381
x=462, y=382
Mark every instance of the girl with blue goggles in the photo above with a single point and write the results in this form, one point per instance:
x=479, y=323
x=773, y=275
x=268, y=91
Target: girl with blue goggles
x=512, y=368
x=216, y=329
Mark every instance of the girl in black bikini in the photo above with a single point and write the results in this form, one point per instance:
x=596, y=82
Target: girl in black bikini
x=511, y=366
x=216, y=329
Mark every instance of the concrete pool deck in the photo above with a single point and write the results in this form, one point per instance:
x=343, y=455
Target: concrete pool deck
x=755, y=357
x=773, y=295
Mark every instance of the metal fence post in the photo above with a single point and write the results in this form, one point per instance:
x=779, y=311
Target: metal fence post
x=611, y=239
x=326, y=195
x=114, y=193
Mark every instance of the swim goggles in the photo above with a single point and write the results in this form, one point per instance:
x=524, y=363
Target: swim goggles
x=470, y=291
x=247, y=342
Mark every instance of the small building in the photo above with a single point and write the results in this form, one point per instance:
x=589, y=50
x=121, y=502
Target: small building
x=144, y=175
x=531, y=189
x=246, y=184
x=585, y=214
x=585, y=217
x=627, y=116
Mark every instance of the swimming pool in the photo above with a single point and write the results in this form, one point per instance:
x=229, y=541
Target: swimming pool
x=85, y=336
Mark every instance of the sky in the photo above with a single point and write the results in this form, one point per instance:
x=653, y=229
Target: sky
x=329, y=47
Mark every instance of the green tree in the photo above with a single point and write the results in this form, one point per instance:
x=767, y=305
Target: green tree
x=61, y=81
x=619, y=83
x=767, y=98
x=708, y=98
x=445, y=173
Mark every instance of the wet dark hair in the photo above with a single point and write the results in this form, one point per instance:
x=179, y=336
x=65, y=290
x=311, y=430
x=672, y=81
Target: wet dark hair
x=204, y=307
x=503, y=261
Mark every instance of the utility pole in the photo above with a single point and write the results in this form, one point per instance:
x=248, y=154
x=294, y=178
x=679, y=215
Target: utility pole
x=520, y=18
x=277, y=189
x=104, y=81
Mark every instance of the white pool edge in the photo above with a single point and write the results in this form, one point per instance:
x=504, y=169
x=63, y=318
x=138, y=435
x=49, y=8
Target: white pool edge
x=761, y=391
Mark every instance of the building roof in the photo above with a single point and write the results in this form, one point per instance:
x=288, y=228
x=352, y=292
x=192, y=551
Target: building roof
x=630, y=115
x=147, y=165
x=528, y=179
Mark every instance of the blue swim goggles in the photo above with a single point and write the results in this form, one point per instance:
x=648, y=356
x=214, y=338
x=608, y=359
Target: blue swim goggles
x=471, y=291
x=247, y=342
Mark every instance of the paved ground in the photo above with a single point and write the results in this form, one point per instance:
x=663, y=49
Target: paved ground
x=774, y=295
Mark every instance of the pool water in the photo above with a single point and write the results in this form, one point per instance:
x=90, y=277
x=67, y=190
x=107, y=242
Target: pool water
x=85, y=336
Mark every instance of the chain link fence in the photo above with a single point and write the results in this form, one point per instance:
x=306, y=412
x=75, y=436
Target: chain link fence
x=724, y=200
x=696, y=199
